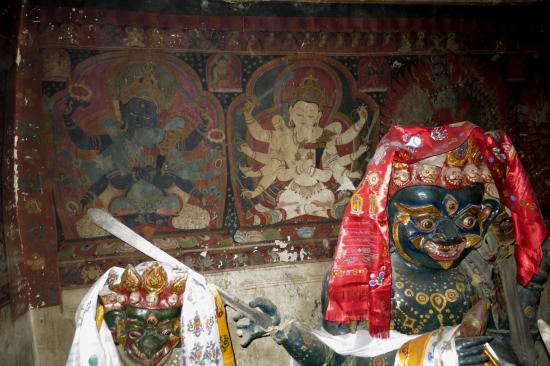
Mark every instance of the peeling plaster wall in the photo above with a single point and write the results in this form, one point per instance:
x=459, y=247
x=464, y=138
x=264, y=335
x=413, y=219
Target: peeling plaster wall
x=294, y=288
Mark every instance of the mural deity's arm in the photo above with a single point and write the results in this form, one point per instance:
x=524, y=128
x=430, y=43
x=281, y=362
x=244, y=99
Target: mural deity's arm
x=195, y=137
x=349, y=158
x=253, y=125
x=188, y=187
x=322, y=175
x=77, y=135
x=352, y=132
x=190, y=169
x=258, y=156
x=268, y=173
x=116, y=179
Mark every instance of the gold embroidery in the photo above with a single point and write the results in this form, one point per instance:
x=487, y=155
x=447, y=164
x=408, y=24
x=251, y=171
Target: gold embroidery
x=412, y=353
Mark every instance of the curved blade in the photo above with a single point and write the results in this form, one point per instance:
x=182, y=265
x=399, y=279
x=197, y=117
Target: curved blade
x=107, y=222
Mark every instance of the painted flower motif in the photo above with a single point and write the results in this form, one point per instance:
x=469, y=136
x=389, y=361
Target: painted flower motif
x=377, y=280
x=195, y=326
x=438, y=134
x=209, y=324
x=211, y=353
x=196, y=354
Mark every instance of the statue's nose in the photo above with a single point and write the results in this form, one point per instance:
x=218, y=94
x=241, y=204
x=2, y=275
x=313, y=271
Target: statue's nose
x=446, y=232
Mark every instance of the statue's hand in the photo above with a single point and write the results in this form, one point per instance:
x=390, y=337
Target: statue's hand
x=248, y=330
x=470, y=351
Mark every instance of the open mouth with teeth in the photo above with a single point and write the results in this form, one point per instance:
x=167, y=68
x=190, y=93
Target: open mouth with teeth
x=158, y=358
x=443, y=252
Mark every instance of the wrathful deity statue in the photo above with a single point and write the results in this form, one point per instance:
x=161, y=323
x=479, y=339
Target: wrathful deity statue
x=151, y=315
x=427, y=271
x=141, y=174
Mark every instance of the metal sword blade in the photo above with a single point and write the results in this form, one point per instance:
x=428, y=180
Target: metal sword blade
x=107, y=222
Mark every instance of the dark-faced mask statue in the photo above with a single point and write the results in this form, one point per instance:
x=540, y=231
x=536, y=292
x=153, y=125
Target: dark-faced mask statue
x=427, y=248
x=436, y=227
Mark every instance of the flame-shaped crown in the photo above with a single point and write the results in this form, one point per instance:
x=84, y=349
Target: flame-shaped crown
x=150, y=290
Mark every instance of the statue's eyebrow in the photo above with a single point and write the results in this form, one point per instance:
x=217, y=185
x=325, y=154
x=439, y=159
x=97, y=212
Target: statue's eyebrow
x=135, y=321
x=469, y=207
x=164, y=322
x=417, y=211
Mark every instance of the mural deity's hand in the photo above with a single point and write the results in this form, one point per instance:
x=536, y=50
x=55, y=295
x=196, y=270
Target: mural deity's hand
x=245, y=149
x=354, y=174
x=470, y=351
x=248, y=194
x=361, y=150
x=248, y=330
x=363, y=113
x=249, y=106
x=203, y=126
x=248, y=171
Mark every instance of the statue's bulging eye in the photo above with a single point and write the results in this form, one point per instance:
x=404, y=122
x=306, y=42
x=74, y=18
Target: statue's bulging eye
x=166, y=332
x=451, y=206
x=426, y=224
x=468, y=222
x=134, y=335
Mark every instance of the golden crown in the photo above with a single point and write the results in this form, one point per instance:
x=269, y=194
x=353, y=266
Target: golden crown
x=142, y=81
x=308, y=91
x=150, y=290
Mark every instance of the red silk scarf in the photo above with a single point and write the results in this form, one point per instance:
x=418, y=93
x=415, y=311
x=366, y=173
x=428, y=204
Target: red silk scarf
x=360, y=281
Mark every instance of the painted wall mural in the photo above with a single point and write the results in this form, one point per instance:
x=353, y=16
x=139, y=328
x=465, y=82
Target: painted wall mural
x=228, y=146
x=136, y=135
x=298, y=134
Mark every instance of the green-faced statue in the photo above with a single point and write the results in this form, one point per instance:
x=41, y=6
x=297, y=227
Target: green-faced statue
x=143, y=315
x=151, y=315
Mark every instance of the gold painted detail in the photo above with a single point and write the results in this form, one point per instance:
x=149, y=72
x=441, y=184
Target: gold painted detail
x=130, y=279
x=422, y=298
x=154, y=278
x=412, y=353
x=451, y=295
